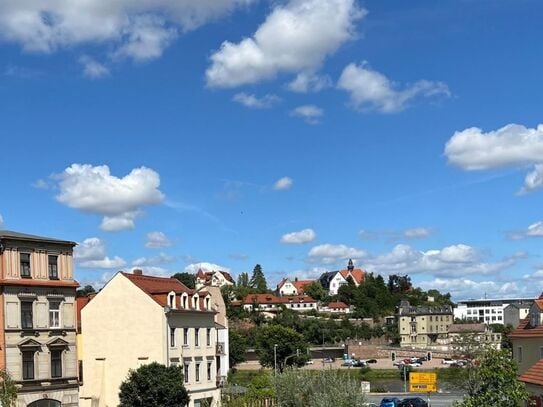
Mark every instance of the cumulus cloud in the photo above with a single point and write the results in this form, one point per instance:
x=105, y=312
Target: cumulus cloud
x=205, y=266
x=162, y=258
x=119, y=200
x=417, y=233
x=310, y=113
x=157, y=240
x=136, y=29
x=510, y=146
x=466, y=288
x=303, y=236
x=533, y=230
x=395, y=235
x=330, y=253
x=92, y=68
x=283, y=183
x=309, y=82
x=296, y=37
x=371, y=90
x=254, y=102
x=91, y=253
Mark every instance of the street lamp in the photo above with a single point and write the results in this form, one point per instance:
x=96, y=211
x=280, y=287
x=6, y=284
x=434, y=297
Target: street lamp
x=275, y=360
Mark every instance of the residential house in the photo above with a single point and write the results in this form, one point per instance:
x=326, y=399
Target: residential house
x=423, y=327
x=465, y=338
x=289, y=287
x=336, y=307
x=332, y=280
x=487, y=310
x=527, y=342
x=513, y=314
x=137, y=319
x=38, y=342
x=213, y=278
x=272, y=303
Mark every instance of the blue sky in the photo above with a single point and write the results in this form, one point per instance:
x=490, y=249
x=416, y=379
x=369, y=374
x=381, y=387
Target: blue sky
x=295, y=134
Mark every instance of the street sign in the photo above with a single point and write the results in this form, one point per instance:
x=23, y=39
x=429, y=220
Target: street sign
x=422, y=388
x=422, y=378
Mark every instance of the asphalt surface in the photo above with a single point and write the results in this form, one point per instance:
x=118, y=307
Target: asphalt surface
x=436, y=399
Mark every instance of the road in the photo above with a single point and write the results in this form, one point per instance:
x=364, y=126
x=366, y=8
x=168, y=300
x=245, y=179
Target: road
x=436, y=399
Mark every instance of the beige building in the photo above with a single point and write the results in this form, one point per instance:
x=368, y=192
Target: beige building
x=423, y=327
x=38, y=344
x=137, y=319
x=464, y=339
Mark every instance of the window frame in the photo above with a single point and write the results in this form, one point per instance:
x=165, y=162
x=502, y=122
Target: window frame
x=28, y=362
x=208, y=336
x=209, y=370
x=186, y=369
x=52, y=275
x=24, y=318
x=172, y=337
x=196, y=337
x=28, y=263
x=58, y=361
x=197, y=371
x=52, y=312
x=185, y=336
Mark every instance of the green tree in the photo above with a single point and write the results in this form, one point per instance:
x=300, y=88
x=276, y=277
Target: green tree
x=8, y=390
x=186, y=278
x=258, y=281
x=399, y=284
x=237, y=347
x=243, y=280
x=83, y=292
x=154, y=385
x=494, y=382
x=315, y=290
x=281, y=344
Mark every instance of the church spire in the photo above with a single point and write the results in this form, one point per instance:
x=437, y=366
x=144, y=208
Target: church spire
x=350, y=266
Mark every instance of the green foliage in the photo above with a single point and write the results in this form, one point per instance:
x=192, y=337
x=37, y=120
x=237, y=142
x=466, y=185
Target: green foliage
x=243, y=280
x=261, y=387
x=186, y=278
x=315, y=291
x=399, y=284
x=154, y=385
x=493, y=382
x=291, y=349
x=237, y=347
x=8, y=390
x=323, y=388
x=83, y=292
x=258, y=281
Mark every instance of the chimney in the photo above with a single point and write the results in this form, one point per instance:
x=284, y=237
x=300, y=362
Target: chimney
x=137, y=272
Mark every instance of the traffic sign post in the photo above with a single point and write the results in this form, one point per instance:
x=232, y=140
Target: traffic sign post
x=423, y=382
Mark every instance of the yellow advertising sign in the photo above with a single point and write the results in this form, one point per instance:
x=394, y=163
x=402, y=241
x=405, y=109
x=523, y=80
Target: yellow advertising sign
x=422, y=378
x=422, y=388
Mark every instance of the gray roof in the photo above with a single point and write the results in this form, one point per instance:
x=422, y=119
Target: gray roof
x=11, y=235
x=469, y=328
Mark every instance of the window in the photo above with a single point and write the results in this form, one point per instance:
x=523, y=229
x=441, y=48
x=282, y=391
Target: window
x=184, y=298
x=172, y=337
x=28, y=365
x=54, y=314
x=186, y=372
x=208, y=304
x=185, y=336
x=25, y=265
x=519, y=354
x=197, y=371
x=26, y=315
x=171, y=300
x=56, y=363
x=53, y=267
x=208, y=337
x=541, y=353
x=196, y=336
x=209, y=371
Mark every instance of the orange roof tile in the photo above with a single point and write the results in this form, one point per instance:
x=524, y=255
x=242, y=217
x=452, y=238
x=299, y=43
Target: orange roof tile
x=534, y=374
x=525, y=330
x=357, y=275
x=337, y=304
x=273, y=299
x=300, y=284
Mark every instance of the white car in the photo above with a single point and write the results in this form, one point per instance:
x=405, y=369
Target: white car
x=448, y=361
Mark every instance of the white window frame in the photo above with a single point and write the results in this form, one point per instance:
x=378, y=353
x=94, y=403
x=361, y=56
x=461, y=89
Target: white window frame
x=53, y=312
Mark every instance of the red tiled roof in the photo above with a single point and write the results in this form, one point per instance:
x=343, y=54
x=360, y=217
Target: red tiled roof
x=525, y=330
x=273, y=299
x=534, y=374
x=539, y=303
x=337, y=304
x=227, y=276
x=300, y=285
x=208, y=275
x=358, y=275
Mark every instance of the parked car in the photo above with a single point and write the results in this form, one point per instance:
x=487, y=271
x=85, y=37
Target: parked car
x=415, y=364
x=371, y=361
x=348, y=362
x=309, y=362
x=329, y=360
x=448, y=361
x=390, y=402
x=369, y=405
x=398, y=363
x=413, y=402
x=360, y=363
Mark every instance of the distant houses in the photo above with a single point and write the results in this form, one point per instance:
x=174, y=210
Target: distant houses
x=333, y=280
x=215, y=278
x=296, y=287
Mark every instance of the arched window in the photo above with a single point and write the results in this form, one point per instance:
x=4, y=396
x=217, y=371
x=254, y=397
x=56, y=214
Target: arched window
x=45, y=403
x=184, y=299
x=171, y=299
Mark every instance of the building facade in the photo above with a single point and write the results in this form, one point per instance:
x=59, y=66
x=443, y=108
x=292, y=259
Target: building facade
x=272, y=303
x=333, y=280
x=137, y=319
x=423, y=327
x=38, y=342
x=213, y=278
x=488, y=311
x=289, y=287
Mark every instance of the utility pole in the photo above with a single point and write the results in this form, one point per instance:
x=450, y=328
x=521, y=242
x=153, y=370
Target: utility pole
x=404, y=378
x=275, y=360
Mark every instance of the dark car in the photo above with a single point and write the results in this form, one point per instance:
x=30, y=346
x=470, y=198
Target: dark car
x=371, y=361
x=390, y=402
x=413, y=402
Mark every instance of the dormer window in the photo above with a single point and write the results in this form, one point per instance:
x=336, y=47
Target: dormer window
x=208, y=303
x=195, y=304
x=171, y=300
x=184, y=299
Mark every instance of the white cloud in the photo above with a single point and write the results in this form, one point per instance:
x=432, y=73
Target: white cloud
x=465, y=288
x=330, y=253
x=254, y=102
x=295, y=37
x=533, y=180
x=303, y=236
x=283, y=183
x=154, y=271
x=371, y=90
x=157, y=240
x=91, y=253
x=309, y=82
x=137, y=29
x=94, y=190
x=92, y=68
x=310, y=113
x=417, y=233
x=162, y=258
x=533, y=230
x=205, y=266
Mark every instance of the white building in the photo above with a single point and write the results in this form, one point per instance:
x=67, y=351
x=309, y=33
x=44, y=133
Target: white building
x=488, y=311
x=270, y=302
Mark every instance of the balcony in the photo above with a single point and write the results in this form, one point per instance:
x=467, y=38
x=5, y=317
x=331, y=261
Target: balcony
x=220, y=349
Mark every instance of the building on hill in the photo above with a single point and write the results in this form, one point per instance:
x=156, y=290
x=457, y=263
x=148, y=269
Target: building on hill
x=38, y=340
x=213, y=278
x=289, y=287
x=270, y=302
x=462, y=337
x=423, y=327
x=487, y=310
x=336, y=307
x=332, y=280
x=137, y=319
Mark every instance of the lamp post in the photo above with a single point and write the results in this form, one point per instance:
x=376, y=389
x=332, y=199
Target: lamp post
x=275, y=360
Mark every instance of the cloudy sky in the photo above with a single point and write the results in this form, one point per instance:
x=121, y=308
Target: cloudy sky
x=297, y=134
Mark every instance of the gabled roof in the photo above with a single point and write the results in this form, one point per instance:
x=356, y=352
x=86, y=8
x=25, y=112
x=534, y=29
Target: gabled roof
x=534, y=374
x=525, y=330
x=337, y=304
x=206, y=276
x=282, y=282
x=273, y=299
x=9, y=234
x=300, y=284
